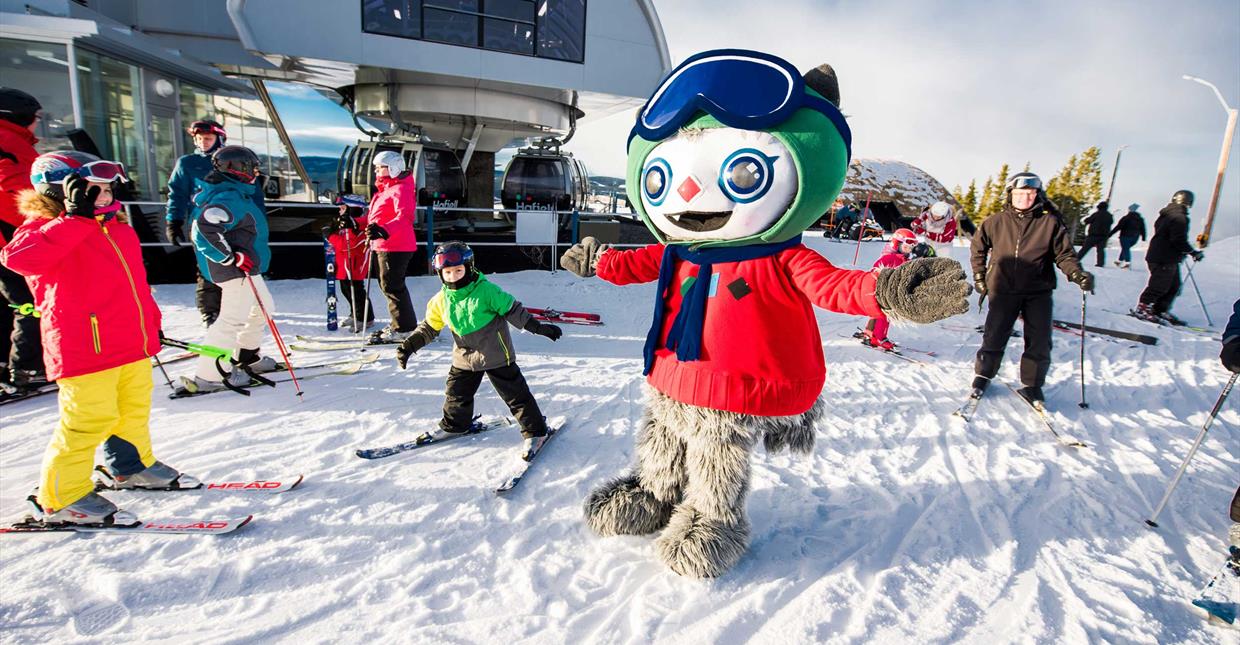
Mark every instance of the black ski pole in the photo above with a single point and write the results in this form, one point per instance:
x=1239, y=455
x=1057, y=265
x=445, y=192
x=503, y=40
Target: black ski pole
x=1083, y=404
x=1192, y=451
x=160, y=365
x=1209, y=323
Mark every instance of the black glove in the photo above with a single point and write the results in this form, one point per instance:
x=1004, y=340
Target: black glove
x=544, y=329
x=408, y=347
x=347, y=221
x=376, y=232
x=80, y=196
x=1083, y=279
x=1230, y=356
x=1198, y=256
x=922, y=250
x=979, y=283
x=582, y=258
x=175, y=232
x=923, y=291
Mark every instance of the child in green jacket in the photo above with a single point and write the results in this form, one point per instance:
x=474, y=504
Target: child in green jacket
x=478, y=313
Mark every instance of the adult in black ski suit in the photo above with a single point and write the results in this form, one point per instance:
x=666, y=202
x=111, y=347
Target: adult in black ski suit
x=1167, y=249
x=1098, y=232
x=1014, y=255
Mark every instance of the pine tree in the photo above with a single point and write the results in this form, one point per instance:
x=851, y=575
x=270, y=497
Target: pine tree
x=969, y=203
x=1000, y=186
x=984, y=202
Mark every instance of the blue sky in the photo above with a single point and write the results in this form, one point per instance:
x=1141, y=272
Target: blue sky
x=958, y=88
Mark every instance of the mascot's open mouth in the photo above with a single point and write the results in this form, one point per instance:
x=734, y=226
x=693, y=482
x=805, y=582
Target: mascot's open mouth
x=700, y=222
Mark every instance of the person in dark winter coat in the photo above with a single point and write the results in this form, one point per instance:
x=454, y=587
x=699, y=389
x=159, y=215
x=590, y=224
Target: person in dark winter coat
x=1131, y=227
x=1168, y=247
x=1098, y=232
x=1230, y=356
x=209, y=136
x=477, y=313
x=21, y=349
x=1014, y=254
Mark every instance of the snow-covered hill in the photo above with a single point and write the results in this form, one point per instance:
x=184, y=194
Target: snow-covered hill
x=904, y=526
x=909, y=187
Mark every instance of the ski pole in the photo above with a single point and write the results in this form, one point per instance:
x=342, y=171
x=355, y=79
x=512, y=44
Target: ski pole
x=348, y=275
x=1209, y=323
x=275, y=333
x=366, y=311
x=1083, y=404
x=1192, y=451
x=160, y=365
x=197, y=348
x=865, y=215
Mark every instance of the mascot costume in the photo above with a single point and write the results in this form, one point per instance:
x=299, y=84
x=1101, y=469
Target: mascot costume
x=730, y=160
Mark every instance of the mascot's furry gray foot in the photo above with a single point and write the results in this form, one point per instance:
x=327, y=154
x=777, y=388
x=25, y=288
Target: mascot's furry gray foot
x=731, y=158
x=692, y=477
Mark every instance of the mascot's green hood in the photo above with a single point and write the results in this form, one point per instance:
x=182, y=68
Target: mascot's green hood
x=815, y=133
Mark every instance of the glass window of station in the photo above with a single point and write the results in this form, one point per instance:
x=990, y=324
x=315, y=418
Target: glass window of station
x=544, y=28
x=41, y=70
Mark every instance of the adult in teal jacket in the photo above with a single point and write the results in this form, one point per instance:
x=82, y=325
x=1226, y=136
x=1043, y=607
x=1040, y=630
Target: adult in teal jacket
x=209, y=136
x=229, y=233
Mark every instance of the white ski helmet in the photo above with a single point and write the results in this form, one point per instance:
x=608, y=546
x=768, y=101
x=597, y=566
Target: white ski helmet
x=940, y=210
x=392, y=159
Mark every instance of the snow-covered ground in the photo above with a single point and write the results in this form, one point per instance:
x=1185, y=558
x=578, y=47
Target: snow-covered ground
x=904, y=526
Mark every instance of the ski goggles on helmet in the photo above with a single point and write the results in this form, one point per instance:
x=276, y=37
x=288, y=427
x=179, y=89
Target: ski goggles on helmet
x=352, y=201
x=451, y=258
x=206, y=127
x=742, y=89
x=1032, y=182
x=97, y=171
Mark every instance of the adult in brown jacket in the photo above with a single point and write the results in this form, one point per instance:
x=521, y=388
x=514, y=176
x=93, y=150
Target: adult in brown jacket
x=1014, y=255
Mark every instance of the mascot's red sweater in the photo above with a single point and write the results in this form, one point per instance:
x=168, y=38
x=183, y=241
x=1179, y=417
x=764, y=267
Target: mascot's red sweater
x=761, y=353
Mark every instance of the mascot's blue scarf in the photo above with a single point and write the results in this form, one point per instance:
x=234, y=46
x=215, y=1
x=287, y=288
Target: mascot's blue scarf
x=685, y=336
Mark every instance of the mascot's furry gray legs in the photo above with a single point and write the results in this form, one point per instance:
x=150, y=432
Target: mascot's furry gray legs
x=692, y=477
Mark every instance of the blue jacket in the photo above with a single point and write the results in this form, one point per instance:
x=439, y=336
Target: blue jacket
x=225, y=221
x=181, y=186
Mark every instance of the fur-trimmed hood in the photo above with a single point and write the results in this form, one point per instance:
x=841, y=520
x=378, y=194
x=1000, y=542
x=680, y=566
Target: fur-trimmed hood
x=35, y=205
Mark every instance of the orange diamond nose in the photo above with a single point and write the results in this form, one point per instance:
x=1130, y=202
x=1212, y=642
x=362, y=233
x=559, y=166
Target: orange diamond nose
x=689, y=188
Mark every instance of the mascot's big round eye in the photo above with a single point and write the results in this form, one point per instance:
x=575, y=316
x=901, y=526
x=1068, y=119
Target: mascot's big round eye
x=746, y=175
x=655, y=179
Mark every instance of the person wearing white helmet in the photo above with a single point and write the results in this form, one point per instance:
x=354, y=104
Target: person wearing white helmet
x=393, y=211
x=937, y=225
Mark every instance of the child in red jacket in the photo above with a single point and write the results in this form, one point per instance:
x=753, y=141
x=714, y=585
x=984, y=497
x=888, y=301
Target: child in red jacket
x=347, y=236
x=896, y=253
x=100, y=327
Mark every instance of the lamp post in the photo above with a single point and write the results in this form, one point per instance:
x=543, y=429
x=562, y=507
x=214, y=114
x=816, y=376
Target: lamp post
x=1114, y=172
x=1204, y=238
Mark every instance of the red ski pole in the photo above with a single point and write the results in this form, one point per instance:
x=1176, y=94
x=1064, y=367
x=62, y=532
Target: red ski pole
x=865, y=215
x=275, y=333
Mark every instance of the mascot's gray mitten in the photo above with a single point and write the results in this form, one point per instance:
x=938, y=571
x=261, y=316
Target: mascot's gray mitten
x=583, y=257
x=923, y=291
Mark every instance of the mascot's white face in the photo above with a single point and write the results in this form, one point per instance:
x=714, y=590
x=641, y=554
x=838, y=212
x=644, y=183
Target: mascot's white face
x=717, y=184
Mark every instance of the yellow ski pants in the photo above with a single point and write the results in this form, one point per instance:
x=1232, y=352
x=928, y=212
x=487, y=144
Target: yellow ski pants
x=94, y=407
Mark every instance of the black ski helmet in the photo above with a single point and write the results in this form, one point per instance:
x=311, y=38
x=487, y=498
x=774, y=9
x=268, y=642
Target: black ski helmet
x=1022, y=180
x=18, y=107
x=1103, y=205
x=1183, y=197
x=238, y=162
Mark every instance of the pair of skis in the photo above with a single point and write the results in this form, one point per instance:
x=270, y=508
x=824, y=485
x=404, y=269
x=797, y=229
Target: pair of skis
x=340, y=367
x=897, y=352
x=969, y=408
x=334, y=343
x=477, y=427
x=166, y=526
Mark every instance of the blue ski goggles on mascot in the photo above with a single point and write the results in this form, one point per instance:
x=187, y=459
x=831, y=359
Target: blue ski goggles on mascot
x=743, y=89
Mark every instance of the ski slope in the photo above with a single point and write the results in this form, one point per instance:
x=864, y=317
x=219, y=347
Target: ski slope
x=903, y=526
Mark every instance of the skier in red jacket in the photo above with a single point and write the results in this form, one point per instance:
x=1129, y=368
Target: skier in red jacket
x=100, y=327
x=896, y=253
x=347, y=236
x=21, y=363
